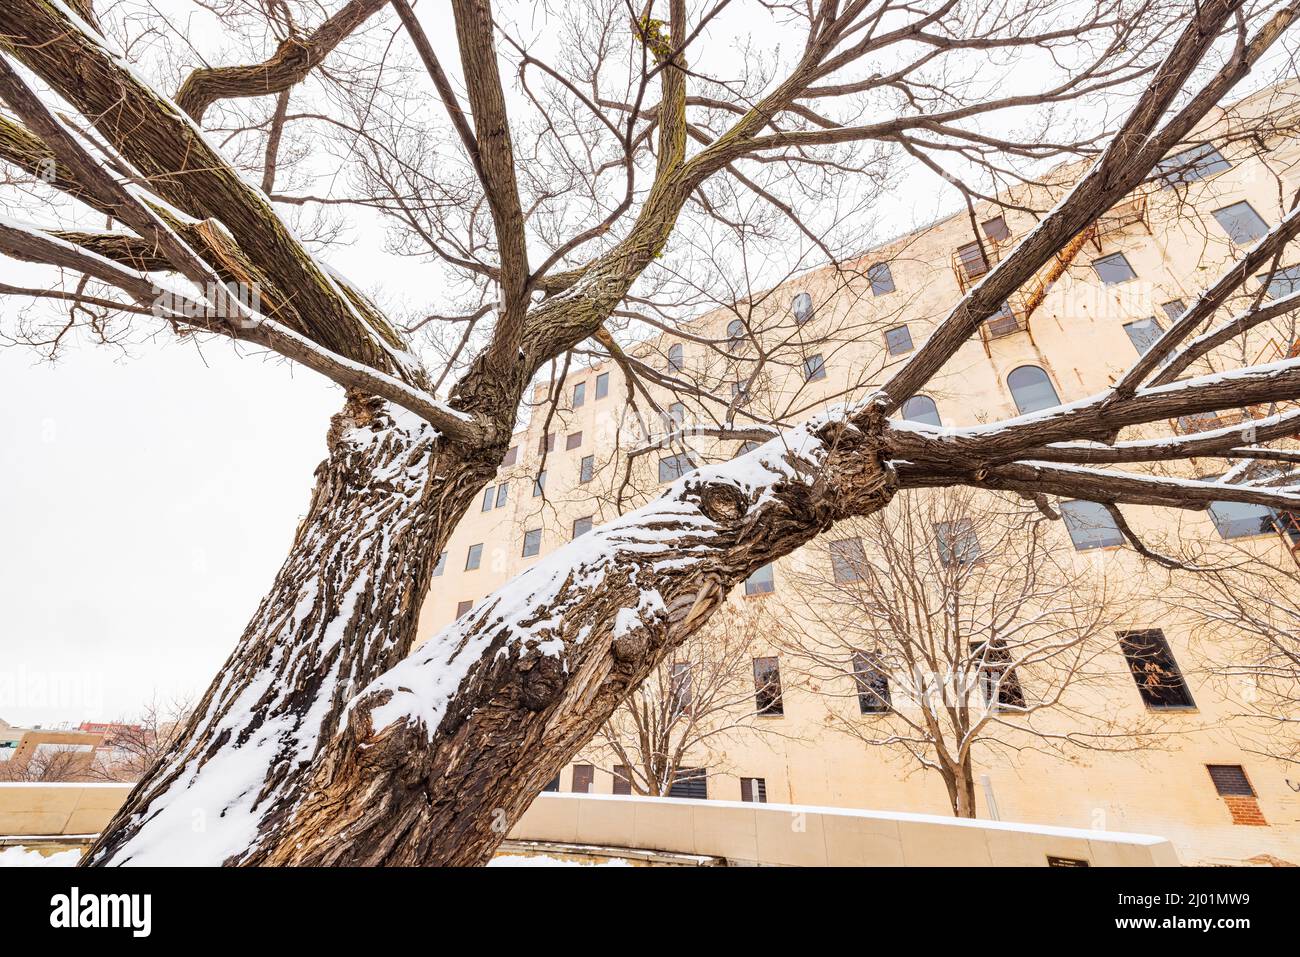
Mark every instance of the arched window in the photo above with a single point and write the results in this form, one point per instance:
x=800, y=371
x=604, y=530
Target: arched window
x=1032, y=389
x=802, y=306
x=735, y=334
x=921, y=408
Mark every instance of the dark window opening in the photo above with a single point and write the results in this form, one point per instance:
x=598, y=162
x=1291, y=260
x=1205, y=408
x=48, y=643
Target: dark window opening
x=767, y=686
x=1159, y=680
x=872, y=682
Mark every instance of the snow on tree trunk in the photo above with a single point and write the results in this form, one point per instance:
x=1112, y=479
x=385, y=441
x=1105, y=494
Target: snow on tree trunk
x=441, y=755
x=342, y=611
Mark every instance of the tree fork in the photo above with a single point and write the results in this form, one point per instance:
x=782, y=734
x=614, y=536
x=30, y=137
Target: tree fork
x=406, y=786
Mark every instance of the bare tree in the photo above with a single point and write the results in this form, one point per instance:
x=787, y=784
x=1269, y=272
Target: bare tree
x=51, y=763
x=132, y=746
x=321, y=741
x=685, y=714
x=958, y=624
x=1244, y=606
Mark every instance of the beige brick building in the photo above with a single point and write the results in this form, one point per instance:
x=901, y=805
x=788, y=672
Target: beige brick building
x=826, y=336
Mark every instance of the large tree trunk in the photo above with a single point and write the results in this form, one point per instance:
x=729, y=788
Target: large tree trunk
x=443, y=754
x=342, y=611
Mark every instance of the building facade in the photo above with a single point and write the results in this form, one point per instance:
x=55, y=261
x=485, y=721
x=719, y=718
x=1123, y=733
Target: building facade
x=598, y=444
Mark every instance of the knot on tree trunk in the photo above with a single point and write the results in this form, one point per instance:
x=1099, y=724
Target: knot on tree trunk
x=723, y=504
x=542, y=678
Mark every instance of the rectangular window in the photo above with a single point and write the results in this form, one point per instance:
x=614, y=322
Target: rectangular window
x=1143, y=333
x=1174, y=308
x=972, y=260
x=996, y=229
x=1230, y=780
x=814, y=368
x=553, y=784
x=676, y=358
x=882, y=280
x=503, y=492
x=463, y=608
x=579, y=394
x=848, y=559
x=739, y=393
x=1090, y=525
x=1241, y=519
x=958, y=543
x=441, y=566
x=676, y=415
x=622, y=779
x=998, y=681
x=1242, y=224
x=587, y=469
x=584, y=775
x=532, y=542
x=872, y=682
x=761, y=582
x=1159, y=681
x=1113, y=269
x=1191, y=165
x=573, y=441
x=512, y=456
x=673, y=467
x=546, y=443
x=690, y=783
x=767, y=687
x=581, y=526
x=898, y=340
x=680, y=691
x=602, y=385
x=753, y=790
x=489, y=497
x=1281, y=282
x=539, y=483
x=1002, y=323
x=474, y=557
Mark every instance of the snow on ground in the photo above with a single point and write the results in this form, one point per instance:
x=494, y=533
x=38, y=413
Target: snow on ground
x=541, y=860
x=19, y=856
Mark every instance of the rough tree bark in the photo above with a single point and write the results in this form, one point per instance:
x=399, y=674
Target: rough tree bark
x=342, y=610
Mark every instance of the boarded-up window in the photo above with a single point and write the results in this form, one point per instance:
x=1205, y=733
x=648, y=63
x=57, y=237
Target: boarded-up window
x=573, y=441
x=463, y=608
x=622, y=780
x=1230, y=780
x=767, y=686
x=972, y=260
x=690, y=783
x=512, y=456
x=753, y=790
x=546, y=443
x=1159, y=680
x=996, y=229
x=583, y=777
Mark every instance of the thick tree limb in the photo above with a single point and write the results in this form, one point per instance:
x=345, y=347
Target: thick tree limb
x=289, y=65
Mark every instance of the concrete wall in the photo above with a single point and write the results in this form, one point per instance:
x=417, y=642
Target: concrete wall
x=772, y=834
x=777, y=834
x=48, y=809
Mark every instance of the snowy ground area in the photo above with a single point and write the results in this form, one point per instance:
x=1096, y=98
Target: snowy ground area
x=20, y=856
